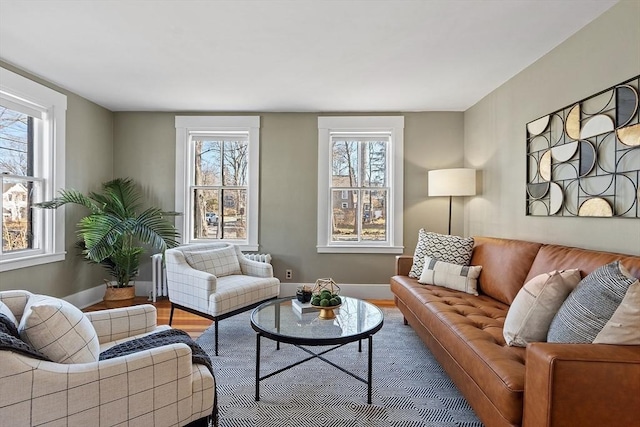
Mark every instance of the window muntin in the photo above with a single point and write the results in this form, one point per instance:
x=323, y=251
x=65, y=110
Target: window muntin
x=32, y=141
x=360, y=175
x=219, y=173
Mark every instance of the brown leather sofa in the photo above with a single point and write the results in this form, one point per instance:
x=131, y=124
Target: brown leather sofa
x=543, y=385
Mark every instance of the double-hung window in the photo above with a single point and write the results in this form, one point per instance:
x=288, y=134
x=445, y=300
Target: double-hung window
x=360, y=173
x=32, y=141
x=217, y=179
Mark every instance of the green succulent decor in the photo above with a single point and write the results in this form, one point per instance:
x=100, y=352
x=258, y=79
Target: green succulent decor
x=113, y=233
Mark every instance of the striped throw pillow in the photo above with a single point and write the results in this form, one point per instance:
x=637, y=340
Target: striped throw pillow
x=598, y=299
x=453, y=276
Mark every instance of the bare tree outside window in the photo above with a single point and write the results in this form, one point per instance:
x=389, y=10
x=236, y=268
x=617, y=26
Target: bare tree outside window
x=16, y=161
x=220, y=194
x=359, y=168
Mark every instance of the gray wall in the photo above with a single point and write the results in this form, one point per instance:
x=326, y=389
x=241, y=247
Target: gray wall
x=604, y=53
x=145, y=150
x=89, y=162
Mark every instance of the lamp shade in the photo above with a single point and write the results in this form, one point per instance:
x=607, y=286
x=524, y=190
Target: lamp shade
x=452, y=182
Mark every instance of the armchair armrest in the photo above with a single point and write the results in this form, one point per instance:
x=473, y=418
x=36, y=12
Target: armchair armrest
x=109, y=392
x=255, y=268
x=581, y=384
x=187, y=286
x=118, y=323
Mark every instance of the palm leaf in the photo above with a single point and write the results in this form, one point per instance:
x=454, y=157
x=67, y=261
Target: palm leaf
x=70, y=196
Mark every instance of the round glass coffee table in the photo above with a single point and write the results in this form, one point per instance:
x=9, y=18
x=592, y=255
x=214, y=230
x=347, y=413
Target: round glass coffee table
x=354, y=320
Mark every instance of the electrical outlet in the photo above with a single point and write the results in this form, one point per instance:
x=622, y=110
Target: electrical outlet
x=289, y=274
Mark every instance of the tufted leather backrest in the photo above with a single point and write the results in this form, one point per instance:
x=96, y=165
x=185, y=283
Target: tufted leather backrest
x=505, y=265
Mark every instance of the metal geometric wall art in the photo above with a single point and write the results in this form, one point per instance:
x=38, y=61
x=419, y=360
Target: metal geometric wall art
x=584, y=160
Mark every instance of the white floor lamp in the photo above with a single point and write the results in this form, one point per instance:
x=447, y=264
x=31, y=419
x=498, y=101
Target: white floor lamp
x=452, y=182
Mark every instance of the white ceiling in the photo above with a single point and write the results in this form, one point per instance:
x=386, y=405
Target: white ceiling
x=285, y=55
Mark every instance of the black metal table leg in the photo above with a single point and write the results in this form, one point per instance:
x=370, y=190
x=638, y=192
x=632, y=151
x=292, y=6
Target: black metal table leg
x=257, y=367
x=370, y=373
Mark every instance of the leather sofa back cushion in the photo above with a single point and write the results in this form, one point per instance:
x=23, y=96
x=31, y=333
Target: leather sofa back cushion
x=493, y=254
x=554, y=257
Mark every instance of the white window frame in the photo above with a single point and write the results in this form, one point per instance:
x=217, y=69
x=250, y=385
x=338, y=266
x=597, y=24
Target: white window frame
x=394, y=126
x=27, y=96
x=186, y=126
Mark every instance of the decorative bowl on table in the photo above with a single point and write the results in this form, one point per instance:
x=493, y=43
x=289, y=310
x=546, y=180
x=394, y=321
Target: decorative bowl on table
x=326, y=297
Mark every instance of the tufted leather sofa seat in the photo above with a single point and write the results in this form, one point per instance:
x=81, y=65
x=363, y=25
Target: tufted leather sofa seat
x=464, y=332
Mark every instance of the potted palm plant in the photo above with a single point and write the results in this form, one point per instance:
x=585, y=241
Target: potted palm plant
x=113, y=234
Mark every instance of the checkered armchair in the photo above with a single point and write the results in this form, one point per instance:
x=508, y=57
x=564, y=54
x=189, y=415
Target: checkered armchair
x=216, y=281
x=156, y=387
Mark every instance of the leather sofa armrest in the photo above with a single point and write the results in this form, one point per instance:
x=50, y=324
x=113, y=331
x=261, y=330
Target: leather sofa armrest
x=403, y=265
x=581, y=385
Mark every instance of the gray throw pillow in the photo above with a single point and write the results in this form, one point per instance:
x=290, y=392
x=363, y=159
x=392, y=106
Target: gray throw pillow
x=441, y=247
x=591, y=305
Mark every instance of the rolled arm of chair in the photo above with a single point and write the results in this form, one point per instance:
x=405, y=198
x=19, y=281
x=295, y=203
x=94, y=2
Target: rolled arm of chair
x=255, y=268
x=118, y=323
x=142, y=382
x=581, y=384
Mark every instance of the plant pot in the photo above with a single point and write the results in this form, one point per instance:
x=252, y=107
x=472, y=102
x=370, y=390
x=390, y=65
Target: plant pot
x=119, y=297
x=303, y=296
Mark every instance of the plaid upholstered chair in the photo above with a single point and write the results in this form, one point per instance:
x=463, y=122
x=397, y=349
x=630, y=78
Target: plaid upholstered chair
x=51, y=372
x=216, y=281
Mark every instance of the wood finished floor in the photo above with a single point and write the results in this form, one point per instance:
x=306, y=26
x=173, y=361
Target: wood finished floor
x=190, y=323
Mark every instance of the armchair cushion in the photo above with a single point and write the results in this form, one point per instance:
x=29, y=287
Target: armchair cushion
x=59, y=330
x=219, y=262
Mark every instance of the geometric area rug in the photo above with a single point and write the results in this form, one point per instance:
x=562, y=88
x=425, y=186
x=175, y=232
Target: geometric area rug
x=410, y=389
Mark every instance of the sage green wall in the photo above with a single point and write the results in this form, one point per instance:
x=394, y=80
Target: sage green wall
x=144, y=146
x=89, y=162
x=602, y=54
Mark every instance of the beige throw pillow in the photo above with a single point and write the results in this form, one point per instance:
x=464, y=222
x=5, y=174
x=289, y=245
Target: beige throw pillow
x=536, y=304
x=59, y=330
x=452, y=276
x=7, y=312
x=624, y=325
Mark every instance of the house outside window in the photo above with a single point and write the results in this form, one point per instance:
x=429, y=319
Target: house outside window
x=217, y=179
x=360, y=178
x=32, y=142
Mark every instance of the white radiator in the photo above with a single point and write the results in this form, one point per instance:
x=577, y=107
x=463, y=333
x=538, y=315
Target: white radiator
x=159, y=275
x=158, y=278
x=259, y=257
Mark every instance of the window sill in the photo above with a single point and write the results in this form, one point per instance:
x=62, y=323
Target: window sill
x=343, y=249
x=243, y=245
x=30, y=261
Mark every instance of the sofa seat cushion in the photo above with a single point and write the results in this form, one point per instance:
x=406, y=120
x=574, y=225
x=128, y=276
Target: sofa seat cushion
x=470, y=328
x=238, y=291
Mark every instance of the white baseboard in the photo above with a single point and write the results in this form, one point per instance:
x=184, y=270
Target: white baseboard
x=361, y=291
x=94, y=295
x=84, y=299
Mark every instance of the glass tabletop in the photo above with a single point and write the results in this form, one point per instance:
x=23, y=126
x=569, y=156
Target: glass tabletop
x=355, y=319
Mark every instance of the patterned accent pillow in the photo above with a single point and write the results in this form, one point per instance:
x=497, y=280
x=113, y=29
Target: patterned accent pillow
x=219, y=262
x=451, y=249
x=7, y=312
x=536, y=304
x=59, y=330
x=592, y=305
x=453, y=276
